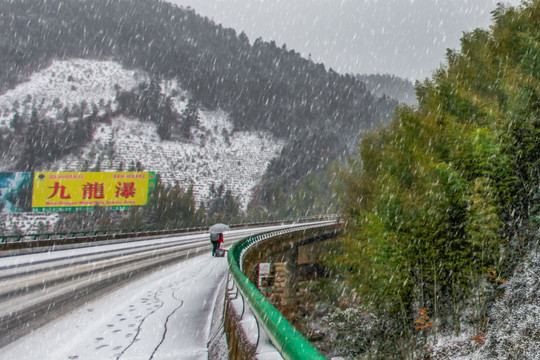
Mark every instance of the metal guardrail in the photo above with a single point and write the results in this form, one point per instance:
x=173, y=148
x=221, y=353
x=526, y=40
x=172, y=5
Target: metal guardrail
x=288, y=341
x=89, y=236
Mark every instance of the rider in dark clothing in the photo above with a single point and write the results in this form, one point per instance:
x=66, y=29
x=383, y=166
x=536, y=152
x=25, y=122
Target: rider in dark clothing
x=216, y=240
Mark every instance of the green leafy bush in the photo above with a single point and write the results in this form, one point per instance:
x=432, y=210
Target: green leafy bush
x=437, y=202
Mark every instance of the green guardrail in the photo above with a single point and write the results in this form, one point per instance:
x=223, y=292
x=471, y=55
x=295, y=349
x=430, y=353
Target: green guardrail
x=290, y=343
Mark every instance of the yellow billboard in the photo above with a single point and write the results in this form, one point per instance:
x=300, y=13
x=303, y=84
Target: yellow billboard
x=67, y=191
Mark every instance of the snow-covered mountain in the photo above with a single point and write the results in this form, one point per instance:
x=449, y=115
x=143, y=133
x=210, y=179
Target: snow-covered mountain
x=68, y=83
x=215, y=154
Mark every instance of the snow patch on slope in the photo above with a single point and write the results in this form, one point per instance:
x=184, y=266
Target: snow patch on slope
x=215, y=155
x=513, y=322
x=515, y=318
x=68, y=83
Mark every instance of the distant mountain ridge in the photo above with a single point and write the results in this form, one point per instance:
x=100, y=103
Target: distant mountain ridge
x=319, y=113
x=390, y=85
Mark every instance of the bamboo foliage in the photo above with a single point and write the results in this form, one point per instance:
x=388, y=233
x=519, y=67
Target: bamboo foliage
x=434, y=198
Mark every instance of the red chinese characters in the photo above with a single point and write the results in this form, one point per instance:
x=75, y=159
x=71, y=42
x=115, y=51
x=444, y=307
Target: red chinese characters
x=59, y=188
x=93, y=191
x=125, y=190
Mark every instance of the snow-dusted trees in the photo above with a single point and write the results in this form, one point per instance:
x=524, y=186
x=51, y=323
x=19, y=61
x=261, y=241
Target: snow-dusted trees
x=171, y=207
x=38, y=139
x=190, y=119
x=440, y=202
x=148, y=103
x=222, y=206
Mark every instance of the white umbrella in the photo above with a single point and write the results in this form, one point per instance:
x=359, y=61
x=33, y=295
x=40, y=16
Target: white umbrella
x=218, y=228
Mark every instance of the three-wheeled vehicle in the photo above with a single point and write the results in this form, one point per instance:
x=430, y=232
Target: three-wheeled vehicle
x=216, y=237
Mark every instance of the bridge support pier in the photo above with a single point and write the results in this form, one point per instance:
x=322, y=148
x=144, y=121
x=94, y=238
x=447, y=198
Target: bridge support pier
x=286, y=282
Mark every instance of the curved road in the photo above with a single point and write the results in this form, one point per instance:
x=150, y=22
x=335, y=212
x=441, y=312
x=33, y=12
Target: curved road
x=173, y=300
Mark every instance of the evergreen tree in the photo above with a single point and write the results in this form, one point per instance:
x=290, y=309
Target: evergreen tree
x=222, y=206
x=17, y=123
x=171, y=207
x=190, y=119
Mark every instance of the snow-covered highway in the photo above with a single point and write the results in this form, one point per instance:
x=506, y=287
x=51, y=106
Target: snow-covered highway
x=90, y=311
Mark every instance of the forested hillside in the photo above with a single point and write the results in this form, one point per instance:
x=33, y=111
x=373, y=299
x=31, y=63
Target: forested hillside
x=264, y=87
x=443, y=203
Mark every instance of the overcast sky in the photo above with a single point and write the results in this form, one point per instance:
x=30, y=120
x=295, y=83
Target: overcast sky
x=407, y=38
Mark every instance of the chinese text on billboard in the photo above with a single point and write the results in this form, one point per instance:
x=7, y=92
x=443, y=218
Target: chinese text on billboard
x=66, y=191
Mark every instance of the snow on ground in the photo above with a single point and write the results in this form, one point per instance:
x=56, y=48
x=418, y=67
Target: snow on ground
x=255, y=335
x=215, y=155
x=166, y=315
x=169, y=314
x=66, y=83
x=28, y=223
x=513, y=321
